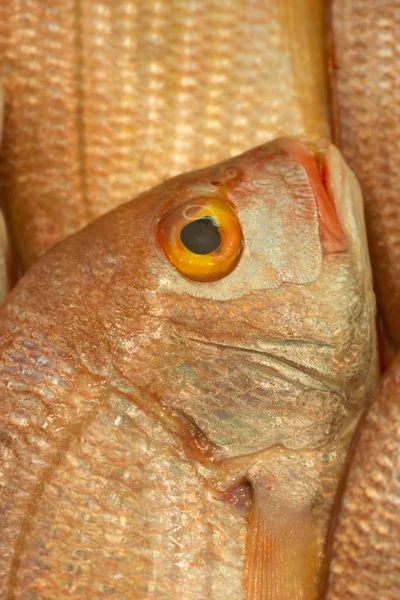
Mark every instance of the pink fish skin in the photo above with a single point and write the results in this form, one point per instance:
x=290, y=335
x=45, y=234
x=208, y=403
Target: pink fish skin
x=363, y=553
x=144, y=414
x=107, y=99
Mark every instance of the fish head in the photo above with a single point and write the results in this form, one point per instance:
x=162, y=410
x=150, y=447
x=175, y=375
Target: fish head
x=221, y=323
x=240, y=296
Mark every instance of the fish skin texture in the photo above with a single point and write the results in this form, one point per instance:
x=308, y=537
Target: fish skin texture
x=363, y=551
x=365, y=81
x=4, y=243
x=105, y=99
x=138, y=407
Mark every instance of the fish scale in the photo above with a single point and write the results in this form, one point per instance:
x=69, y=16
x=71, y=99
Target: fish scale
x=365, y=80
x=105, y=99
x=94, y=521
x=363, y=546
x=165, y=411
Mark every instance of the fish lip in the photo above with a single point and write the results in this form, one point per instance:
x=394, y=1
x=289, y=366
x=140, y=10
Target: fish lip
x=315, y=158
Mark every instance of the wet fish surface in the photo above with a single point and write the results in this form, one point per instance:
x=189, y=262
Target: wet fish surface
x=108, y=98
x=175, y=418
x=363, y=553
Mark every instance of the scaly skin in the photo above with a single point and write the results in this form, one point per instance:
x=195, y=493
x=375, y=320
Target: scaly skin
x=108, y=98
x=107, y=132
x=5, y=279
x=364, y=550
x=135, y=417
x=364, y=554
x=365, y=77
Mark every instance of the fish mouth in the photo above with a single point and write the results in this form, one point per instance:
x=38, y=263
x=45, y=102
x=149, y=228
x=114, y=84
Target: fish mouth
x=316, y=161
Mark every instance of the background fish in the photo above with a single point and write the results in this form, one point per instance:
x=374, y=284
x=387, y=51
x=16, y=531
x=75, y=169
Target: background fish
x=105, y=99
x=4, y=244
x=364, y=548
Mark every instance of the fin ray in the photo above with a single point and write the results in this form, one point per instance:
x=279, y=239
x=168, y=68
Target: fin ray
x=282, y=556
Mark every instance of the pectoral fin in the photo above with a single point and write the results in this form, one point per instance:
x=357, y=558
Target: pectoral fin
x=282, y=556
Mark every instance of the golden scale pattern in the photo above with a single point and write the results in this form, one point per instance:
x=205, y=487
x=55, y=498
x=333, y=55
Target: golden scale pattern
x=365, y=76
x=366, y=88
x=105, y=99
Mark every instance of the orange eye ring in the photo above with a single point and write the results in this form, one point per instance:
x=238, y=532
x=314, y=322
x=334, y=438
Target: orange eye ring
x=201, y=238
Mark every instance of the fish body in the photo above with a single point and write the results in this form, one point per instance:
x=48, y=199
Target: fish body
x=365, y=536
x=363, y=551
x=365, y=82
x=108, y=98
x=5, y=279
x=169, y=437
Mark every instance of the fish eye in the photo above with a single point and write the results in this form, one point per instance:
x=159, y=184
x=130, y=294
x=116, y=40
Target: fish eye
x=201, y=238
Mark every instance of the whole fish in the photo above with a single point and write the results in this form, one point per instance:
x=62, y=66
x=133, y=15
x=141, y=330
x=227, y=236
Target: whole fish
x=180, y=382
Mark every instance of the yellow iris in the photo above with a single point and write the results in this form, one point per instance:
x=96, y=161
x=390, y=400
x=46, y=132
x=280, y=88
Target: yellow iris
x=201, y=238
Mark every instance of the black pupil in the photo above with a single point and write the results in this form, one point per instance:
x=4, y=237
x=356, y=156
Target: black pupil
x=201, y=236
